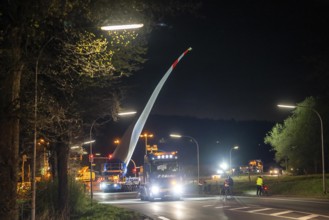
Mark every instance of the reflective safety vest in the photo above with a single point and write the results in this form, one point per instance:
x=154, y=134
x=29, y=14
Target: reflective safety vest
x=259, y=181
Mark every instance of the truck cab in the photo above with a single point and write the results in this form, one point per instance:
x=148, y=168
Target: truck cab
x=162, y=177
x=112, y=176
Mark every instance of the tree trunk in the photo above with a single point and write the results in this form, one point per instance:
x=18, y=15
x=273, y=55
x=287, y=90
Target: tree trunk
x=9, y=130
x=53, y=161
x=62, y=150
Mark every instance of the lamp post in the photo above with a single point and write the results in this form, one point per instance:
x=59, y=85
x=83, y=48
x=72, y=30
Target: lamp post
x=233, y=148
x=322, y=142
x=121, y=27
x=91, y=158
x=197, y=148
x=146, y=135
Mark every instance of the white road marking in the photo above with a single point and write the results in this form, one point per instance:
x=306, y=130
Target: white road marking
x=220, y=207
x=207, y=205
x=244, y=207
x=259, y=210
x=281, y=213
x=163, y=218
x=308, y=217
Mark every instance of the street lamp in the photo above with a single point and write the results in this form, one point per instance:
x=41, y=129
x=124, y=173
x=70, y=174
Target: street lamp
x=117, y=142
x=91, y=158
x=146, y=135
x=197, y=148
x=233, y=148
x=322, y=142
x=121, y=27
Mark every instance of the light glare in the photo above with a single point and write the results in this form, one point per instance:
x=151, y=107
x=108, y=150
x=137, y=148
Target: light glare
x=121, y=27
x=287, y=106
x=126, y=113
x=175, y=135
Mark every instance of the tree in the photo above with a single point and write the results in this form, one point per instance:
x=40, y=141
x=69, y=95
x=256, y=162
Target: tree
x=69, y=58
x=298, y=138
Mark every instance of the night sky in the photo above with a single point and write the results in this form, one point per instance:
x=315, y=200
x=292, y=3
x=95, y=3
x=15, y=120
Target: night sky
x=247, y=57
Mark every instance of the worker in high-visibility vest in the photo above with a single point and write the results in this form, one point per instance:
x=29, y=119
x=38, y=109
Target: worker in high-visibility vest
x=259, y=185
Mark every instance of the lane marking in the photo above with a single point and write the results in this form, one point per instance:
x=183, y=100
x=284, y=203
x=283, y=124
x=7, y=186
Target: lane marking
x=207, y=205
x=163, y=218
x=221, y=207
x=306, y=200
x=259, y=210
x=308, y=217
x=281, y=213
x=244, y=207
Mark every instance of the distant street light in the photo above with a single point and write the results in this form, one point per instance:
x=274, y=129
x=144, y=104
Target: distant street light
x=322, y=142
x=146, y=135
x=223, y=165
x=233, y=148
x=91, y=158
x=197, y=148
x=117, y=142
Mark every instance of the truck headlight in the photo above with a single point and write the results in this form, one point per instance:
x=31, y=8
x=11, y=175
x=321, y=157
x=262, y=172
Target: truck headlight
x=155, y=189
x=178, y=189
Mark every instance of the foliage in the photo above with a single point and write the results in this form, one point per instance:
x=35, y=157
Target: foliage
x=105, y=212
x=283, y=185
x=46, y=205
x=298, y=138
x=56, y=46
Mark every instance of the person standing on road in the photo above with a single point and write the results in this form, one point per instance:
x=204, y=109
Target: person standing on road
x=259, y=185
x=230, y=183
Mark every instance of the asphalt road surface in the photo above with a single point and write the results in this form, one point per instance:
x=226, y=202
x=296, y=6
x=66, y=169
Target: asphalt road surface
x=215, y=207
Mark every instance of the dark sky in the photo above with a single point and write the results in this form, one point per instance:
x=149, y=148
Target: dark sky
x=247, y=57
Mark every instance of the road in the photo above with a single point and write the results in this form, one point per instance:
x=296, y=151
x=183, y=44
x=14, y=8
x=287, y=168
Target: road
x=214, y=207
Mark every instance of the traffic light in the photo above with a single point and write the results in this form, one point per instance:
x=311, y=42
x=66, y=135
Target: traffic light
x=91, y=158
x=110, y=156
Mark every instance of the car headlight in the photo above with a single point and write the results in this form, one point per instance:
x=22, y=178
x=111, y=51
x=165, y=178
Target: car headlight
x=102, y=185
x=155, y=189
x=115, y=185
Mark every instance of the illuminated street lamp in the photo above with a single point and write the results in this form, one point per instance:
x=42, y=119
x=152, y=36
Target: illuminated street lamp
x=126, y=113
x=322, y=142
x=197, y=148
x=121, y=27
x=233, y=148
x=146, y=135
x=117, y=142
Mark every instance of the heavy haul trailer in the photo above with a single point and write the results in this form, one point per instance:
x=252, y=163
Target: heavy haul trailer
x=162, y=177
x=114, y=178
x=113, y=173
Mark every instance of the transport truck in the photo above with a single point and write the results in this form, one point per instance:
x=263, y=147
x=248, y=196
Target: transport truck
x=161, y=176
x=114, y=179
